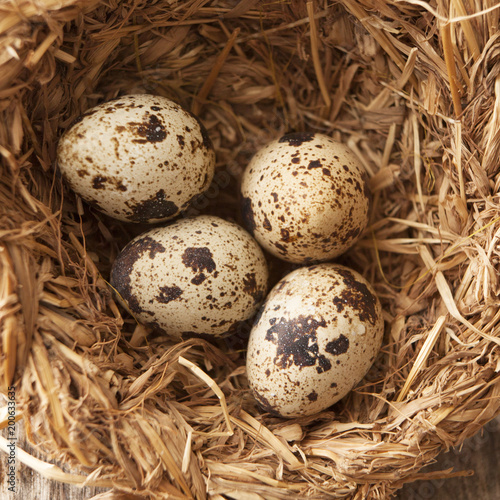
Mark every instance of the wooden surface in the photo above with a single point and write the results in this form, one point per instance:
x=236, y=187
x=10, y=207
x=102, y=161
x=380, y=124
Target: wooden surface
x=480, y=453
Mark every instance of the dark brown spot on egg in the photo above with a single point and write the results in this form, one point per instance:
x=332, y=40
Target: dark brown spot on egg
x=266, y=224
x=312, y=396
x=198, y=279
x=123, y=266
x=295, y=160
x=249, y=283
x=285, y=234
x=357, y=296
x=275, y=196
x=150, y=130
x=297, y=138
x=120, y=186
x=338, y=346
x=326, y=171
x=180, y=140
x=338, y=302
x=168, y=293
x=281, y=247
x=314, y=164
x=296, y=343
x=157, y=207
x=251, y=287
x=99, y=182
x=350, y=235
x=247, y=214
x=198, y=259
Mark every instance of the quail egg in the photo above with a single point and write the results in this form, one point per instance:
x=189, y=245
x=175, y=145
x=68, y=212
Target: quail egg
x=305, y=198
x=313, y=340
x=137, y=158
x=198, y=276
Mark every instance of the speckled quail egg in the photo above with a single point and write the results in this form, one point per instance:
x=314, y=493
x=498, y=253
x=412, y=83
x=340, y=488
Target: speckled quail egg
x=305, y=197
x=313, y=340
x=137, y=158
x=199, y=276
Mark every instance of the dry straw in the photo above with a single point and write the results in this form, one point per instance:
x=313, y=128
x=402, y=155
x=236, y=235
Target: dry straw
x=412, y=87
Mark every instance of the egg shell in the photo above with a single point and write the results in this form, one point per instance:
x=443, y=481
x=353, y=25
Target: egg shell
x=198, y=276
x=137, y=158
x=313, y=340
x=305, y=198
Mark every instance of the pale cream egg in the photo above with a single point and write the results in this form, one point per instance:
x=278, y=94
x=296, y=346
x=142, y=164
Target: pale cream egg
x=313, y=340
x=305, y=198
x=199, y=276
x=137, y=158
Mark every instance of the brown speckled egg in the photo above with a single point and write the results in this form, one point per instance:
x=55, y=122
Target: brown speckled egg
x=313, y=340
x=305, y=198
x=199, y=276
x=137, y=158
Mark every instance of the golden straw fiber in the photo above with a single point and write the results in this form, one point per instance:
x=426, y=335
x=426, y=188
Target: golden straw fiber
x=412, y=87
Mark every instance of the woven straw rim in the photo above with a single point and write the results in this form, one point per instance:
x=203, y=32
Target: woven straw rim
x=414, y=90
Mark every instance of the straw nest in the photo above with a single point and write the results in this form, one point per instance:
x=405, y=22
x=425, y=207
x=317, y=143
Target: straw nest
x=412, y=87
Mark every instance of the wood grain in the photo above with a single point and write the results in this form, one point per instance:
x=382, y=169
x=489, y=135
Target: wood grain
x=480, y=453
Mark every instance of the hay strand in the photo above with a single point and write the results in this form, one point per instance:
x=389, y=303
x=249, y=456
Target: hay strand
x=422, y=356
x=212, y=76
x=313, y=32
x=213, y=385
x=450, y=66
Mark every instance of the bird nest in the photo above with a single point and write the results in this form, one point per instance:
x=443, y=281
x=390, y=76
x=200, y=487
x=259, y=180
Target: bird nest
x=412, y=87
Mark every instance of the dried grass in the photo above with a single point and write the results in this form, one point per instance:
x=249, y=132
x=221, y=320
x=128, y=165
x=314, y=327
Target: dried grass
x=412, y=87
